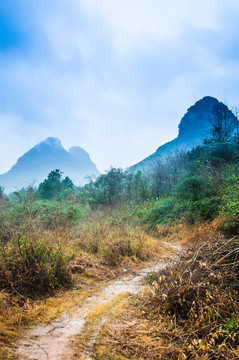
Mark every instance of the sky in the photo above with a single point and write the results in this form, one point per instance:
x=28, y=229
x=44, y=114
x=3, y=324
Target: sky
x=112, y=76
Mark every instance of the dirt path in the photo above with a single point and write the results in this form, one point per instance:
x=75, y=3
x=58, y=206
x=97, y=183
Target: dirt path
x=52, y=342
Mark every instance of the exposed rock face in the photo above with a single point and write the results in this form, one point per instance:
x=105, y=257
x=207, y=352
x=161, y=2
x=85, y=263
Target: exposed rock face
x=35, y=165
x=195, y=126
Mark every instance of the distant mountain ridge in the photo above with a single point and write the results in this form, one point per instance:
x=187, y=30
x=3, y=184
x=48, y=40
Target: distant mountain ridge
x=194, y=127
x=35, y=165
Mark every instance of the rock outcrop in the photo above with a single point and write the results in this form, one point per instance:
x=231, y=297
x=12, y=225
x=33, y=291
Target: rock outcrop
x=194, y=128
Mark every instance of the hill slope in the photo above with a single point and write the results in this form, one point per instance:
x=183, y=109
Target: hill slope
x=194, y=127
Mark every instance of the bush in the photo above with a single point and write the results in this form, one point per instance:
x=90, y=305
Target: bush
x=230, y=193
x=207, y=208
x=200, y=294
x=54, y=215
x=229, y=207
x=193, y=187
x=45, y=214
x=30, y=267
x=163, y=211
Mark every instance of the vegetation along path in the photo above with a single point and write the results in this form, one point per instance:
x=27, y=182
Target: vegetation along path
x=53, y=341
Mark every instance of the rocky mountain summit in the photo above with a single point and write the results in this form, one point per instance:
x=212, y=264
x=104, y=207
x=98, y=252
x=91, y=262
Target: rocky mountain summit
x=34, y=166
x=194, y=128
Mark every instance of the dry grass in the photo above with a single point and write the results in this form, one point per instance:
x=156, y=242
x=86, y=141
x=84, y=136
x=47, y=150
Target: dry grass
x=17, y=314
x=84, y=343
x=112, y=244
x=190, y=312
x=129, y=335
x=117, y=248
x=185, y=234
x=98, y=249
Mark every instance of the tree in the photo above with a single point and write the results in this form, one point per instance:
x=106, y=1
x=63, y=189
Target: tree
x=55, y=176
x=235, y=111
x=1, y=192
x=165, y=172
x=222, y=142
x=52, y=187
x=67, y=183
x=136, y=187
x=108, y=187
x=116, y=186
x=224, y=125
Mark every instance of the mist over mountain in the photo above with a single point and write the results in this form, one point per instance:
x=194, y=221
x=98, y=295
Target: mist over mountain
x=34, y=166
x=195, y=126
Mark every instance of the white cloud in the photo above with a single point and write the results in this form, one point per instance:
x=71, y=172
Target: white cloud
x=115, y=77
x=10, y=139
x=135, y=23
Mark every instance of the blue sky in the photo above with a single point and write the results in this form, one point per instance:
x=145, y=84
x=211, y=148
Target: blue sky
x=112, y=76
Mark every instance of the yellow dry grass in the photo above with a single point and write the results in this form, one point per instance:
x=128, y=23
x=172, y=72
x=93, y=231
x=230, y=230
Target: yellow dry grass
x=184, y=234
x=91, y=274
x=84, y=343
x=128, y=335
x=16, y=316
x=191, y=312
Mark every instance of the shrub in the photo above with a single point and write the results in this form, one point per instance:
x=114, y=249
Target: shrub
x=229, y=207
x=45, y=214
x=199, y=293
x=207, y=208
x=163, y=211
x=53, y=215
x=30, y=267
x=193, y=187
